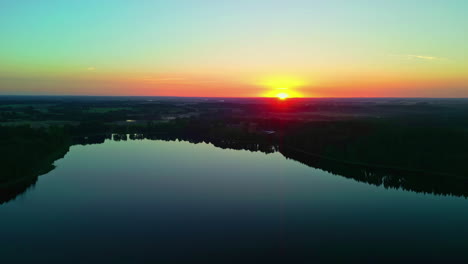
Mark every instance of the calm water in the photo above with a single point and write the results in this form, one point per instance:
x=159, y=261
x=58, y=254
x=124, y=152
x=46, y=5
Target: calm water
x=147, y=201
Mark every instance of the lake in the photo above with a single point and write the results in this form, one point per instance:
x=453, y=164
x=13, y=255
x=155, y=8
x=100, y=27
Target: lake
x=148, y=201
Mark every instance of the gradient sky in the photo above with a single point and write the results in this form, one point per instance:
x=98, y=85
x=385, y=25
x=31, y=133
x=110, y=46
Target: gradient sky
x=329, y=48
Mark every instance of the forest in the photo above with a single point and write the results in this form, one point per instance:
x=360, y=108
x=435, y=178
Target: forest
x=419, y=150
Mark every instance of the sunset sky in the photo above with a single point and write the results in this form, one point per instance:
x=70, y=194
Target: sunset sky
x=238, y=48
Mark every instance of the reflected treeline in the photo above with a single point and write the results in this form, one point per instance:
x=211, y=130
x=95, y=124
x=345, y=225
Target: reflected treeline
x=220, y=142
x=415, y=181
x=91, y=139
x=223, y=143
x=27, y=153
x=390, y=178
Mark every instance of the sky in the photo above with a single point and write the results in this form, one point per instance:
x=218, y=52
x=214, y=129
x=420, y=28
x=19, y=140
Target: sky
x=237, y=48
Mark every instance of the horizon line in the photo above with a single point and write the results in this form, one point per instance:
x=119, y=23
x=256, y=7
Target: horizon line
x=232, y=97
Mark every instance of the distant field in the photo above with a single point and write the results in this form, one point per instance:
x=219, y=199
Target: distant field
x=25, y=105
x=103, y=110
x=39, y=107
x=38, y=124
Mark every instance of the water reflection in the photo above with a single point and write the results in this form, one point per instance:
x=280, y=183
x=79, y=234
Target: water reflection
x=415, y=181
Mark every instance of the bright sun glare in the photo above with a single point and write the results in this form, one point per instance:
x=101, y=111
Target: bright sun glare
x=282, y=87
x=282, y=96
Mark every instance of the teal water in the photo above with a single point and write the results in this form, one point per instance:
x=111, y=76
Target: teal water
x=156, y=201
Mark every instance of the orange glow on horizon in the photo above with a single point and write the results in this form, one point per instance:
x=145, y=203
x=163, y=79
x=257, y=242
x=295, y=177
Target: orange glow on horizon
x=199, y=85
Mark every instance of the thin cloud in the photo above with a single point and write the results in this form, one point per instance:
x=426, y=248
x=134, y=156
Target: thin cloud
x=422, y=57
x=419, y=57
x=176, y=80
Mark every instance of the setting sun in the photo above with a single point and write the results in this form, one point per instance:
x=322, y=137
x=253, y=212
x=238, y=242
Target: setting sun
x=282, y=87
x=282, y=96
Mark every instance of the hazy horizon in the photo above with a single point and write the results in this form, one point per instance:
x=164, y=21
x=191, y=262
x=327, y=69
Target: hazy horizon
x=217, y=97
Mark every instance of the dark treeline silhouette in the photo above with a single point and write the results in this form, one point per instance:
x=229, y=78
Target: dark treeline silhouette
x=381, y=156
x=388, y=143
x=26, y=153
x=391, y=178
x=91, y=139
x=391, y=154
x=395, y=144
